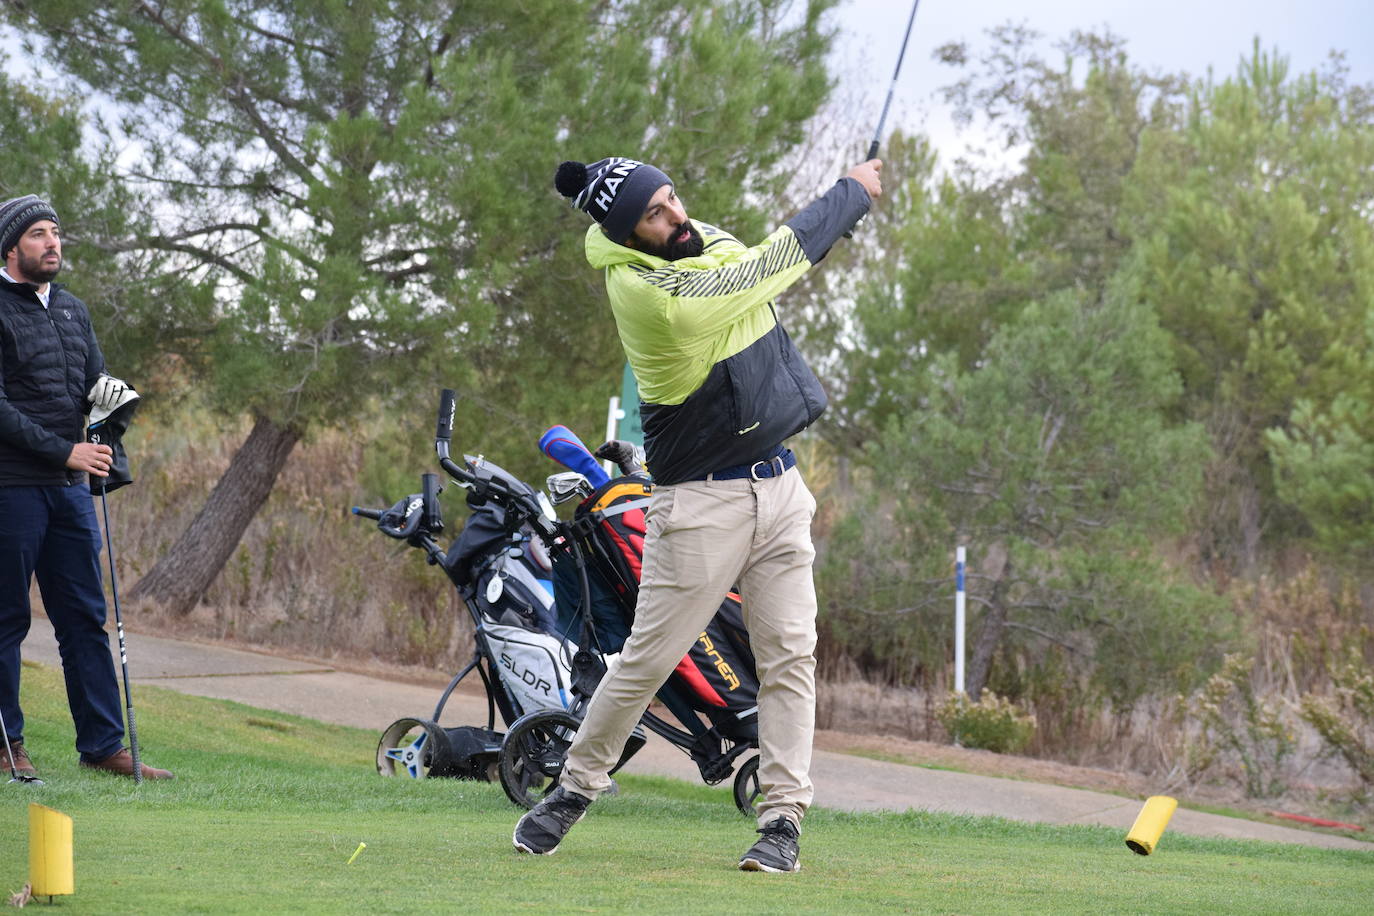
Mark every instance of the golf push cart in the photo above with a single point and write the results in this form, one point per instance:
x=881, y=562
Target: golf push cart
x=535, y=675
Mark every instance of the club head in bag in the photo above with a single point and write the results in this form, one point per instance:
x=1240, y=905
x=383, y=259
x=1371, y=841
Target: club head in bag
x=107, y=426
x=567, y=485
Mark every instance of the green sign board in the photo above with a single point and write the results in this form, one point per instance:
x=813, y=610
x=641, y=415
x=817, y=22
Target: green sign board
x=628, y=427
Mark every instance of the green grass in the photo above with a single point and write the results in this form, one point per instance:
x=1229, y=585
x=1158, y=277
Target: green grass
x=267, y=809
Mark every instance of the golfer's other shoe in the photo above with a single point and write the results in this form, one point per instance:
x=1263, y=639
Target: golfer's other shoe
x=121, y=763
x=541, y=829
x=18, y=758
x=776, y=849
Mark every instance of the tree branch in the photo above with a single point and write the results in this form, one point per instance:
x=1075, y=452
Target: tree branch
x=397, y=254
x=1016, y=625
x=204, y=255
x=235, y=92
x=275, y=190
x=286, y=39
x=395, y=277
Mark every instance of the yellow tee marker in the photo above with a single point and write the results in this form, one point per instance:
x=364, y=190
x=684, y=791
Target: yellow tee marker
x=361, y=847
x=50, y=852
x=1150, y=823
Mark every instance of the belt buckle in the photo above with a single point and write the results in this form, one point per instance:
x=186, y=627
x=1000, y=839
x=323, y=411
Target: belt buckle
x=775, y=465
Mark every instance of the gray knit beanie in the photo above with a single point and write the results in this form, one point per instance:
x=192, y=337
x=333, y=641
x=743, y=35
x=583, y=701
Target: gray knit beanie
x=615, y=191
x=18, y=214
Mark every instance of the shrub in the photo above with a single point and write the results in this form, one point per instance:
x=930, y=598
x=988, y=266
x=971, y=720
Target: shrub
x=992, y=723
x=1345, y=720
x=1238, y=724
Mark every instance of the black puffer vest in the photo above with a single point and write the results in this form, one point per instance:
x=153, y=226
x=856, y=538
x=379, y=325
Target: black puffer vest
x=748, y=404
x=49, y=359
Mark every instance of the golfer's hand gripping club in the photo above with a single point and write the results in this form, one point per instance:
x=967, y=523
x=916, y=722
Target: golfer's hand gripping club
x=867, y=174
x=91, y=458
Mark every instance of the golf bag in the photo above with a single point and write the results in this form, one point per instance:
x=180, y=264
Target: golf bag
x=716, y=677
x=509, y=575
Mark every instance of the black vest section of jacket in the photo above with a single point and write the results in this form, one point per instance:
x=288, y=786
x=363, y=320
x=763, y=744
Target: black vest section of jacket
x=48, y=360
x=747, y=406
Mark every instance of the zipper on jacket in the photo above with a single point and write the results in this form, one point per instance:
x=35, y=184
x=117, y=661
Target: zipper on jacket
x=61, y=343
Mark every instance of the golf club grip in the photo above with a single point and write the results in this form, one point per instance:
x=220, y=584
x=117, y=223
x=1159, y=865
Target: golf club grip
x=133, y=744
x=447, y=400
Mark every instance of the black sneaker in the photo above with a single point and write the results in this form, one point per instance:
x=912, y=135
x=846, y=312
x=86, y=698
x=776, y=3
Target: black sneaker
x=541, y=830
x=776, y=850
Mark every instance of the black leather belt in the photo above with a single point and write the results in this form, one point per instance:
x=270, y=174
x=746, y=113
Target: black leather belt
x=772, y=466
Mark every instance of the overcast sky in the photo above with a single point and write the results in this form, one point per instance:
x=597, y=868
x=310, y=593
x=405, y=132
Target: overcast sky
x=1161, y=35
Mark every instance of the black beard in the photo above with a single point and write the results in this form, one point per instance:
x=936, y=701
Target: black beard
x=692, y=246
x=34, y=271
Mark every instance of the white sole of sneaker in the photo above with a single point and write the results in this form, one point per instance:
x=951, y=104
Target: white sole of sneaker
x=521, y=847
x=756, y=865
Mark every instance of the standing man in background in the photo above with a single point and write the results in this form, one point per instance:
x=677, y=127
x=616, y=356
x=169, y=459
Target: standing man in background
x=723, y=388
x=51, y=375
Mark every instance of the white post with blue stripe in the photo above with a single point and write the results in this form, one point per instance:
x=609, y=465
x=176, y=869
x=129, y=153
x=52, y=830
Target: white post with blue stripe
x=960, y=556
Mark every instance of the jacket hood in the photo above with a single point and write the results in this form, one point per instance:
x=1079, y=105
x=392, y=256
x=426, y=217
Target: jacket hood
x=603, y=253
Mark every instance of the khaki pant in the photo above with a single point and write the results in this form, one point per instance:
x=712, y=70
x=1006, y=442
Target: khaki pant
x=703, y=538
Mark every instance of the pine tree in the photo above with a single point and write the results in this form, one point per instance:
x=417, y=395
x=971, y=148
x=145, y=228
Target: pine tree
x=1253, y=225
x=363, y=186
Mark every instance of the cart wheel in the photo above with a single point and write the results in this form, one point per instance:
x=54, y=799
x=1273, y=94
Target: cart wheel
x=533, y=753
x=747, y=789
x=417, y=748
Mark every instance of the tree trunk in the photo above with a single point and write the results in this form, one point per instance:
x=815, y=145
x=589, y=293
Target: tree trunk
x=994, y=625
x=180, y=578
x=989, y=636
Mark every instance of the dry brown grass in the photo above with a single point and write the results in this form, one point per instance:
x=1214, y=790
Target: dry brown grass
x=1299, y=629
x=307, y=577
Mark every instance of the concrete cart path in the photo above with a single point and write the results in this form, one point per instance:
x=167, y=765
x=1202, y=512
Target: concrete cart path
x=318, y=691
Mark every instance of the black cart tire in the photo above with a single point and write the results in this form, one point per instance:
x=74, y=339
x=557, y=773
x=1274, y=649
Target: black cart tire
x=533, y=753
x=747, y=788
x=417, y=748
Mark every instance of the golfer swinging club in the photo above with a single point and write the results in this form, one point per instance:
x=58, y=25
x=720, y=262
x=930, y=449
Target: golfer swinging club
x=723, y=388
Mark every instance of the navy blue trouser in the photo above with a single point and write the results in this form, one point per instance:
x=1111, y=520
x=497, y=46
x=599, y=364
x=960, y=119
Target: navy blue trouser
x=52, y=532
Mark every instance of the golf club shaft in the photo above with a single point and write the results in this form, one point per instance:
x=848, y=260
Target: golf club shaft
x=887, y=103
x=9, y=751
x=896, y=72
x=123, y=649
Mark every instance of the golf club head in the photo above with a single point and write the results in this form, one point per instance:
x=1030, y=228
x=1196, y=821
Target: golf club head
x=567, y=485
x=26, y=780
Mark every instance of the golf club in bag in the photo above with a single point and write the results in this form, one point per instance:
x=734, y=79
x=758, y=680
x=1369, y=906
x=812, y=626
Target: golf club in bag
x=107, y=427
x=15, y=775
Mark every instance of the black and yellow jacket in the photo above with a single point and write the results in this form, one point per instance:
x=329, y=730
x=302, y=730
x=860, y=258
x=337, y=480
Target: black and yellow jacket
x=720, y=380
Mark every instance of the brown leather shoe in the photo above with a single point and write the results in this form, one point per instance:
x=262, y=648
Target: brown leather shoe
x=121, y=763
x=20, y=757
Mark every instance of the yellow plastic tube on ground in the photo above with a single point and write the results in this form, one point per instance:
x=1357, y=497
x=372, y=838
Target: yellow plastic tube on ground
x=50, y=852
x=1150, y=824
